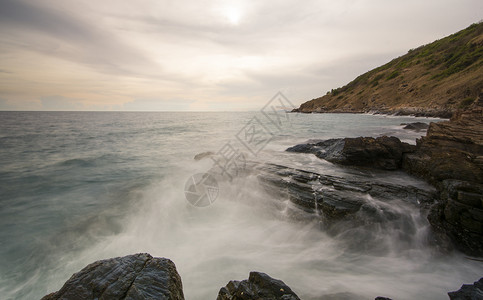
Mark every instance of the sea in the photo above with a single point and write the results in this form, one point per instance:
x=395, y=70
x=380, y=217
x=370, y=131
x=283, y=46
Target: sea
x=76, y=187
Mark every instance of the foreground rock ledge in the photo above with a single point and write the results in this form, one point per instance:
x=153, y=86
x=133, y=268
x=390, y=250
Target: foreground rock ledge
x=137, y=276
x=468, y=291
x=259, y=286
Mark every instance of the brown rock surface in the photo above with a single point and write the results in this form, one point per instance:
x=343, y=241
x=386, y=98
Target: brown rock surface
x=451, y=158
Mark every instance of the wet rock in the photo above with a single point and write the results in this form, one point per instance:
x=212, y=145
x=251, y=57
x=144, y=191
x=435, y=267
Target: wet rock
x=459, y=215
x=138, y=276
x=416, y=126
x=449, y=157
x=382, y=153
x=202, y=155
x=468, y=291
x=357, y=199
x=382, y=298
x=259, y=286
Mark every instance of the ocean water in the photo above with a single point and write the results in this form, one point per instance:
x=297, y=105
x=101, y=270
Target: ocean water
x=76, y=187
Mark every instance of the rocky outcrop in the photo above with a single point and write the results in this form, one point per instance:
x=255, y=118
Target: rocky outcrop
x=138, y=276
x=383, y=152
x=450, y=150
x=468, y=292
x=450, y=156
x=258, y=286
x=356, y=201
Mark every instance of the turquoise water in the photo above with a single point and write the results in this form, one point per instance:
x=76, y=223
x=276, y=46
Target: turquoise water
x=80, y=186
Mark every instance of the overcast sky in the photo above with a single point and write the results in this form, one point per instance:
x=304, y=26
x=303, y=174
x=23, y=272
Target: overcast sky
x=205, y=54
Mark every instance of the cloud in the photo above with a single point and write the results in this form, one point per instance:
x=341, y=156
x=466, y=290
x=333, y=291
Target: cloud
x=61, y=103
x=149, y=54
x=158, y=105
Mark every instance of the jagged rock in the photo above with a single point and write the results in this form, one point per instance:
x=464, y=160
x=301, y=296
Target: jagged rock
x=450, y=150
x=138, y=276
x=259, y=286
x=459, y=215
x=416, y=126
x=382, y=298
x=450, y=157
x=341, y=199
x=468, y=291
x=383, y=152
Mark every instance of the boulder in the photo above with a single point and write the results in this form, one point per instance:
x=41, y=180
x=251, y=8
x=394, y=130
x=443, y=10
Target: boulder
x=259, y=286
x=138, y=276
x=468, y=291
x=382, y=153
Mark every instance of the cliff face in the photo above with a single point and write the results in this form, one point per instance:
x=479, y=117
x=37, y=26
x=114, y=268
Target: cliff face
x=433, y=80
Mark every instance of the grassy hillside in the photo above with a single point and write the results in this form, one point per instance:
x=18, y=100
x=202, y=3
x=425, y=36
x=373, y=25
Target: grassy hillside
x=434, y=79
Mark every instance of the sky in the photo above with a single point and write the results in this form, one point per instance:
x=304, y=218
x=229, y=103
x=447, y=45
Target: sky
x=205, y=55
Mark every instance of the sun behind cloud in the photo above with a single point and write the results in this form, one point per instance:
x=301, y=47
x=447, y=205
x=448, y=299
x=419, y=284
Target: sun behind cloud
x=232, y=13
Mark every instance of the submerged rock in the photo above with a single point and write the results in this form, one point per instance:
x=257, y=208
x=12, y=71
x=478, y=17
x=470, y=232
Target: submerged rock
x=416, y=126
x=137, y=276
x=259, y=286
x=382, y=153
x=468, y=291
x=202, y=155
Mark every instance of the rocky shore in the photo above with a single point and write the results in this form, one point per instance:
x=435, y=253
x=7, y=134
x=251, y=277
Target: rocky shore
x=449, y=157
x=141, y=276
x=399, y=111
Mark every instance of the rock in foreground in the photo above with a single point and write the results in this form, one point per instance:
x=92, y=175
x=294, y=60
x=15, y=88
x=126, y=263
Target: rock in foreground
x=382, y=153
x=137, y=276
x=259, y=286
x=468, y=291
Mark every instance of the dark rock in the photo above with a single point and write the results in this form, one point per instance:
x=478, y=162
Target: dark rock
x=138, y=276
x=382, y=298
x=259, y=286
x=336, y=199
x=417, y=126
x=202, y=155
x=459, y=215
x=450, y=157
x=382, y=153
x=450, y=150
x=468, y=291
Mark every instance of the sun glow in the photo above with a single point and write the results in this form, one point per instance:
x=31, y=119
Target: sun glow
x=233, y=14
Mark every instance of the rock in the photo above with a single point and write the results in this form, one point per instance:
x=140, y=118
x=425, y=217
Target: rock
x=416, y=126
x=468, y=292
x=202, y=155
x=382, y=153
x=259, y=286
x=449, y=157
x=138, y=276
x=459, y=215
x=382, y=298
x=450, y=150
x=356, y=201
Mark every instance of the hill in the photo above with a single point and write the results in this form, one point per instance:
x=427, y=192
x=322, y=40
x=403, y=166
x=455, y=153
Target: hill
x=434, y=80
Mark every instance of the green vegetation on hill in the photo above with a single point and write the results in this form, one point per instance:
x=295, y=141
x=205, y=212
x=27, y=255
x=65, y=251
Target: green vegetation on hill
x=432, y=79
